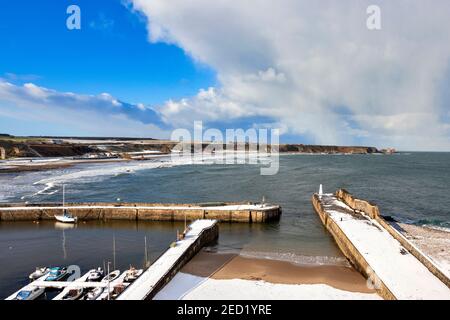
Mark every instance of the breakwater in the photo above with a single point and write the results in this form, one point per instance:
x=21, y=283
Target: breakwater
x=372, y=210
x=373, y=246
x=199, y=234
x=224, y=212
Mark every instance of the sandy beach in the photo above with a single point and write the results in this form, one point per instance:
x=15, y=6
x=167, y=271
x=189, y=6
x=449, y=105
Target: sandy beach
x=43, y=165
x=230, y=276
x=433, y=242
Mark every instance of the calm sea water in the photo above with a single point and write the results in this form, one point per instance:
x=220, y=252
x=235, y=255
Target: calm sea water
x=412, y=187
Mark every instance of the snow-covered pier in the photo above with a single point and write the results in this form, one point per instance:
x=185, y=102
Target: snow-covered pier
x=199, y=234
x=395, y=268
x=226, y=212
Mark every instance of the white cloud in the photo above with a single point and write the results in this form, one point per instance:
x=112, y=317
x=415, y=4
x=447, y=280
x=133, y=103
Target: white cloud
x=314, y=67
x=54, y=112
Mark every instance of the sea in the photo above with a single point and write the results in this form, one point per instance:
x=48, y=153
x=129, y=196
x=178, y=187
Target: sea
x=412, y=187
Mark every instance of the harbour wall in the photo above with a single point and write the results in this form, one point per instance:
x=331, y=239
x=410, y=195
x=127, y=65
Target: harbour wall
x=372, y=210
x=349, y=250
x=201, y=233
x=206, y=237
x=229, y=212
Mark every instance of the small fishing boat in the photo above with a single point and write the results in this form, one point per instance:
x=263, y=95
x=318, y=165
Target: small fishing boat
x=132, y=274
x=118, y=289
x=40, y=272
x=103, y=293
x=56, y=274
x=29, y=293
x=66, y=217
x=94, y=294
x=111, y=276
x=96, y=275
x=73, y=294
x=114, y=292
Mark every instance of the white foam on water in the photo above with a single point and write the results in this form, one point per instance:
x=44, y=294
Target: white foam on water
x=48, y=186
x=45, y=183
x=293, y=258
x=116, y=169
x=438, y=228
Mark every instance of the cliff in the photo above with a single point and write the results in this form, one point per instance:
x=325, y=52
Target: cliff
x=62, y=147
x=303, y=148
x=33, y=148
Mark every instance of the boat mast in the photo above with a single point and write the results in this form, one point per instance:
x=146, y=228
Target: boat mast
x=64, y=200
x=145, y=253
x=108, y=279
x=114, y=252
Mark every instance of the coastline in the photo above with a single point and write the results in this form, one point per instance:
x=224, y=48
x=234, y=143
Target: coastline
x=433, y=242
x=219, y=276
x=6, y=167
x=18, y=165
x=221, y=266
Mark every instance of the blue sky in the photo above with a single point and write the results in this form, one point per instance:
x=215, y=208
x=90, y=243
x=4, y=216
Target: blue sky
x=109, y=54
x=147, y=67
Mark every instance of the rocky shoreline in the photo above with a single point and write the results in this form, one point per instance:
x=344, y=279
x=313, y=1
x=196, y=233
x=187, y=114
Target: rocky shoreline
x=23, y=147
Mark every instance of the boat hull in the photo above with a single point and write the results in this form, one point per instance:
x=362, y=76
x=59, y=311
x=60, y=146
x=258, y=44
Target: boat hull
x=65, y=219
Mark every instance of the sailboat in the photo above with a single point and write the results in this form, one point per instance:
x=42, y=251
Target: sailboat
x=66, y=217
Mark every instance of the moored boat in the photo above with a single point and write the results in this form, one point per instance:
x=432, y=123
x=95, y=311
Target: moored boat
x=111, y=276
x=29, y=293
x=96, y=275
x=94, y=294
x=118, y=289
x=132, y=274
x=66, y=217
x=39, y=272
x=73, y=294
x=56, y=274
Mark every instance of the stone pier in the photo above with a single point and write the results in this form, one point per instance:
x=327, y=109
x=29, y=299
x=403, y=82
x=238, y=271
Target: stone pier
x=224, y=212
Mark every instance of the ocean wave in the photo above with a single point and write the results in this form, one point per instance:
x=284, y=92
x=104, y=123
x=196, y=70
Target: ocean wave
x=297, y=259
x=444, y=229
x=48, y=186
x=432, y=223
x=95, y=173
x=46, y=183
x=117, y=169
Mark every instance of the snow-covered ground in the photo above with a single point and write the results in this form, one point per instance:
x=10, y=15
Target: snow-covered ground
x=433, y=241
x=404, y=275
x=189, y=287
x=258, y=207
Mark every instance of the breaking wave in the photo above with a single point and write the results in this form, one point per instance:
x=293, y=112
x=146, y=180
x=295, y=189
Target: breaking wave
x=297, y=259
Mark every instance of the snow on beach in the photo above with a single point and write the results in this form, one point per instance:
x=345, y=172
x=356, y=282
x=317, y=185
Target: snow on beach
x=434, y=241
x=189, y=287
x=404, y=275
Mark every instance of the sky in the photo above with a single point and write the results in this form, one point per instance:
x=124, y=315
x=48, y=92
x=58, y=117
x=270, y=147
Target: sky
x=143, y=68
